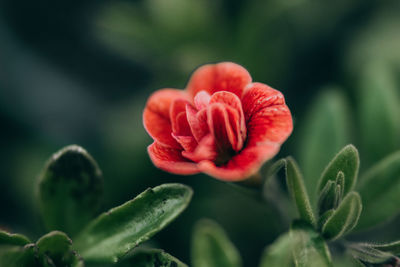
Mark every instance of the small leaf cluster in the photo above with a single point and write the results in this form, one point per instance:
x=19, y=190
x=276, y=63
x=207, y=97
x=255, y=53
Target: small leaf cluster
x=69, y=190
x=339, y=208
x=211, y=247
x=371, y=123
x=336, y=213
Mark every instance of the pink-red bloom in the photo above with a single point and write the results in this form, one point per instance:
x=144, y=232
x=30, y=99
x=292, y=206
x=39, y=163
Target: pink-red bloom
x=222, y=124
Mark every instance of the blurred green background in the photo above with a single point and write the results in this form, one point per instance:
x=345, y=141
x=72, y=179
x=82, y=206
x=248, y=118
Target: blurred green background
x=80, y=72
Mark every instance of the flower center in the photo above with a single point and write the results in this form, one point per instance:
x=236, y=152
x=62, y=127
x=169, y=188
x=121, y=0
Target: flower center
x=224, y=156
x=213, y=129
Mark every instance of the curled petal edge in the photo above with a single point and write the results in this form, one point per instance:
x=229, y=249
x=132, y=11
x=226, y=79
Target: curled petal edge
x=224, y=76
x=156, y=115
x=171, y=160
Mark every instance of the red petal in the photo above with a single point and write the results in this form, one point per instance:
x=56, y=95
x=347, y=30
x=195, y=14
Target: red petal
x=180, y=125
x=170, y=160
x=226, y=98
x=205, y=150
x=271, y=124
x=187, y=142
x=258, y=96
x=156, y=117
x=178, y=118
x=197, y=122
x=241, y=166
x=226, y=76
x=239, y=132
x=201, y=100
x=220, y=127
x=237, y=120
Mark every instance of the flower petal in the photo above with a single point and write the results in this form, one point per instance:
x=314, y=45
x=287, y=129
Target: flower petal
x=226, y=98
x=239, y=132
x=197, y=122
x=156, y=118
x=201, y=100
x=181, y=131
x=170, y=160
x=220, y=127
x=271, y=124
x=241, y=166
x=225, y=76
x=237, y=119
x=180, y=125
x=258, y=96
x=178, y=118
x=188, y=143
x=205, y=150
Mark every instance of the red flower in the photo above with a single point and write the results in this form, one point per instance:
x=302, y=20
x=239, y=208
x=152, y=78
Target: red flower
x=222, y=124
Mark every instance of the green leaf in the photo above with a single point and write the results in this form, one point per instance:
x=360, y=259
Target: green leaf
x=327, y=197
x=54, y=244
x=379, y=111
x=309, y=248
x=16, y=251
x=356, y=263
x=275, y=167
x=368, y=254
x=324, y=217
x=326, y=130
x=70, y=189
x=17, y=256
x=344, y=218
x=13, y=239
x=340, y=180
x=379, y=188
x=393, y=247
x=347, y=260
x=55, y=248
x=212, y=247
x=114, y=233
x=279, y=254
x=338, y=196
x=302, y=246
x=331, y=195
x=297, y=190
x=152, y=258
x=346, y=161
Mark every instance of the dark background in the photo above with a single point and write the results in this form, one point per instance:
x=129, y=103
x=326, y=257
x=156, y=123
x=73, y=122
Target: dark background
x=79, y=72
